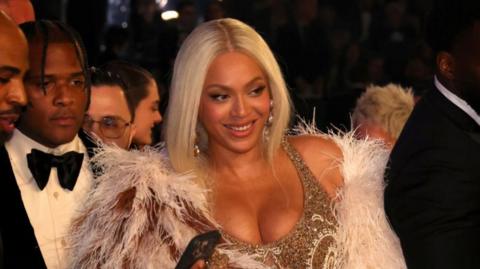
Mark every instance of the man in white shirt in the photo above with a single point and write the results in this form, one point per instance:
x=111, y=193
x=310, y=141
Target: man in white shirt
x=45, y=172
x=433, y=182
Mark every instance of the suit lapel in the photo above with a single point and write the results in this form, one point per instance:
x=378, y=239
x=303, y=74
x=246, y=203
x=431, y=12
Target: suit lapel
x=475, y=136
x=92, y=147
x=19, y=242
x=89, y=143
x=461, y=119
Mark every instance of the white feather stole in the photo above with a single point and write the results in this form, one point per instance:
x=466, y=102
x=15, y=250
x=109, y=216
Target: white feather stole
x=142, y=215
x=364, y=237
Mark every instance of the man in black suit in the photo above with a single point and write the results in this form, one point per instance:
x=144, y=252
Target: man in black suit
x=433, y=183
x=13, y=66
x=45, y=172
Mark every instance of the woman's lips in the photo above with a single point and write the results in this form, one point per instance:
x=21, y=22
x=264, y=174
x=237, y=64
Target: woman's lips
x=240, y=130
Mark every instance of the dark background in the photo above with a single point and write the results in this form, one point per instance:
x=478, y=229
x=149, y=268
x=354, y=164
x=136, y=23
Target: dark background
x=329, y=51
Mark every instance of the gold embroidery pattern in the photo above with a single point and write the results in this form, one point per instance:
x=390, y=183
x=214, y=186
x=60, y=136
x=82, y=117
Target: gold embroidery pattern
x=311, y=242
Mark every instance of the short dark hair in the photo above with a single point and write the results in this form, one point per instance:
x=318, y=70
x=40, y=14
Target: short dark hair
x=101, y=77
x=447, y=20
x=135, y=77
x=48, y=32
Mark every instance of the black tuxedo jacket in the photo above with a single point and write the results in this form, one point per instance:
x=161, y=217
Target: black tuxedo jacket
x=432, y=198
x=19, y=245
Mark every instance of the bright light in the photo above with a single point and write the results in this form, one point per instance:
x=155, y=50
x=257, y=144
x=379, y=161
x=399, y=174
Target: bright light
x=169, y=15
x=162, y=3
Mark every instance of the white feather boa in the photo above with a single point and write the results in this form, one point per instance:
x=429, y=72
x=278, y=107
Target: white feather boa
x=364, y=237
x=121, y=228
x=140, y=214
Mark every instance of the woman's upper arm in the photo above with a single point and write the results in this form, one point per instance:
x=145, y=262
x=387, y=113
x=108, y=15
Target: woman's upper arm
x=323, y=157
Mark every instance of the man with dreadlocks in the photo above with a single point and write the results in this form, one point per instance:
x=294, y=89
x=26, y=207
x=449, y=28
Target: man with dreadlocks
x=46, y=173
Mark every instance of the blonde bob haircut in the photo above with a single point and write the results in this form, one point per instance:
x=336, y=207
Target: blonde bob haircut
x=388, y=107
x=197, y=52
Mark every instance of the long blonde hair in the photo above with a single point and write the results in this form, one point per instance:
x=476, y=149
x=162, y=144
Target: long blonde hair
x=199, y=49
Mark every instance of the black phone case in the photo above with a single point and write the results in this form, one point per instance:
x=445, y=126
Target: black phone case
x=200, y=247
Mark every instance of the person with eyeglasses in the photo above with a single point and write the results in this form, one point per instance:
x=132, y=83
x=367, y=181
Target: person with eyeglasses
x=110, y=115
x=143, y=92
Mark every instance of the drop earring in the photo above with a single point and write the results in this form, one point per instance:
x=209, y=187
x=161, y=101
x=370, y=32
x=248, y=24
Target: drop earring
x=270, y=115
x=269, y=122
x=196, y=149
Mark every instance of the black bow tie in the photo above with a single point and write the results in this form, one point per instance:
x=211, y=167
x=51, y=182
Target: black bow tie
x=68, y=167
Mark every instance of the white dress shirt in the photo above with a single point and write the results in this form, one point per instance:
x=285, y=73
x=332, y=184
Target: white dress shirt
x=459, y=102
x=50, y=210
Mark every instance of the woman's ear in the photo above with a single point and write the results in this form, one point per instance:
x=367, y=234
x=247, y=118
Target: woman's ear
x=446, y=65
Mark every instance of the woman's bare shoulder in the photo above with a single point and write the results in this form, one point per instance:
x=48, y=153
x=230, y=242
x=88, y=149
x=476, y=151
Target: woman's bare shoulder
x=323, y=157
x=316, y=147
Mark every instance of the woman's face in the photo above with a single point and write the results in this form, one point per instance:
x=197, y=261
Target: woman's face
x=235, y=103
x=146, y=116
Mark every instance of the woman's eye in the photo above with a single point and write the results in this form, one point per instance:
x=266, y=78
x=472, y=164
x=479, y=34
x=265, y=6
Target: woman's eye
x=4, y=80
x=257, y=91
x=219, y=97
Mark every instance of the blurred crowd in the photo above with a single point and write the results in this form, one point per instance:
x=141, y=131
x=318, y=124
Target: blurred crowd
x=329, y=51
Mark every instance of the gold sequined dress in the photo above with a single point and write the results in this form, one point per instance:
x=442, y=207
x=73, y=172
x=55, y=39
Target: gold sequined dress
x=310, y=244
x=115, y=228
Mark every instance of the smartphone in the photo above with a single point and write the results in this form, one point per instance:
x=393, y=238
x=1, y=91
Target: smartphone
x=200, y=247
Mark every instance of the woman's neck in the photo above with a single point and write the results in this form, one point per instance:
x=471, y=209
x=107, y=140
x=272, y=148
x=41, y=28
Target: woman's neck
x=239, y=166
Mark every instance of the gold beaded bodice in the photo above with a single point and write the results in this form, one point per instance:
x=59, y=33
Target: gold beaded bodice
x=310, y=244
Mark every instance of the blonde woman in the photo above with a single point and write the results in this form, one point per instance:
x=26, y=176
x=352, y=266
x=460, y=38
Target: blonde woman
x=278, y=201
x=381, y=112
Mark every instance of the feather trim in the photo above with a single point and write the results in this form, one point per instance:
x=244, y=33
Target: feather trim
x=364, y=237
x=140, y=214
